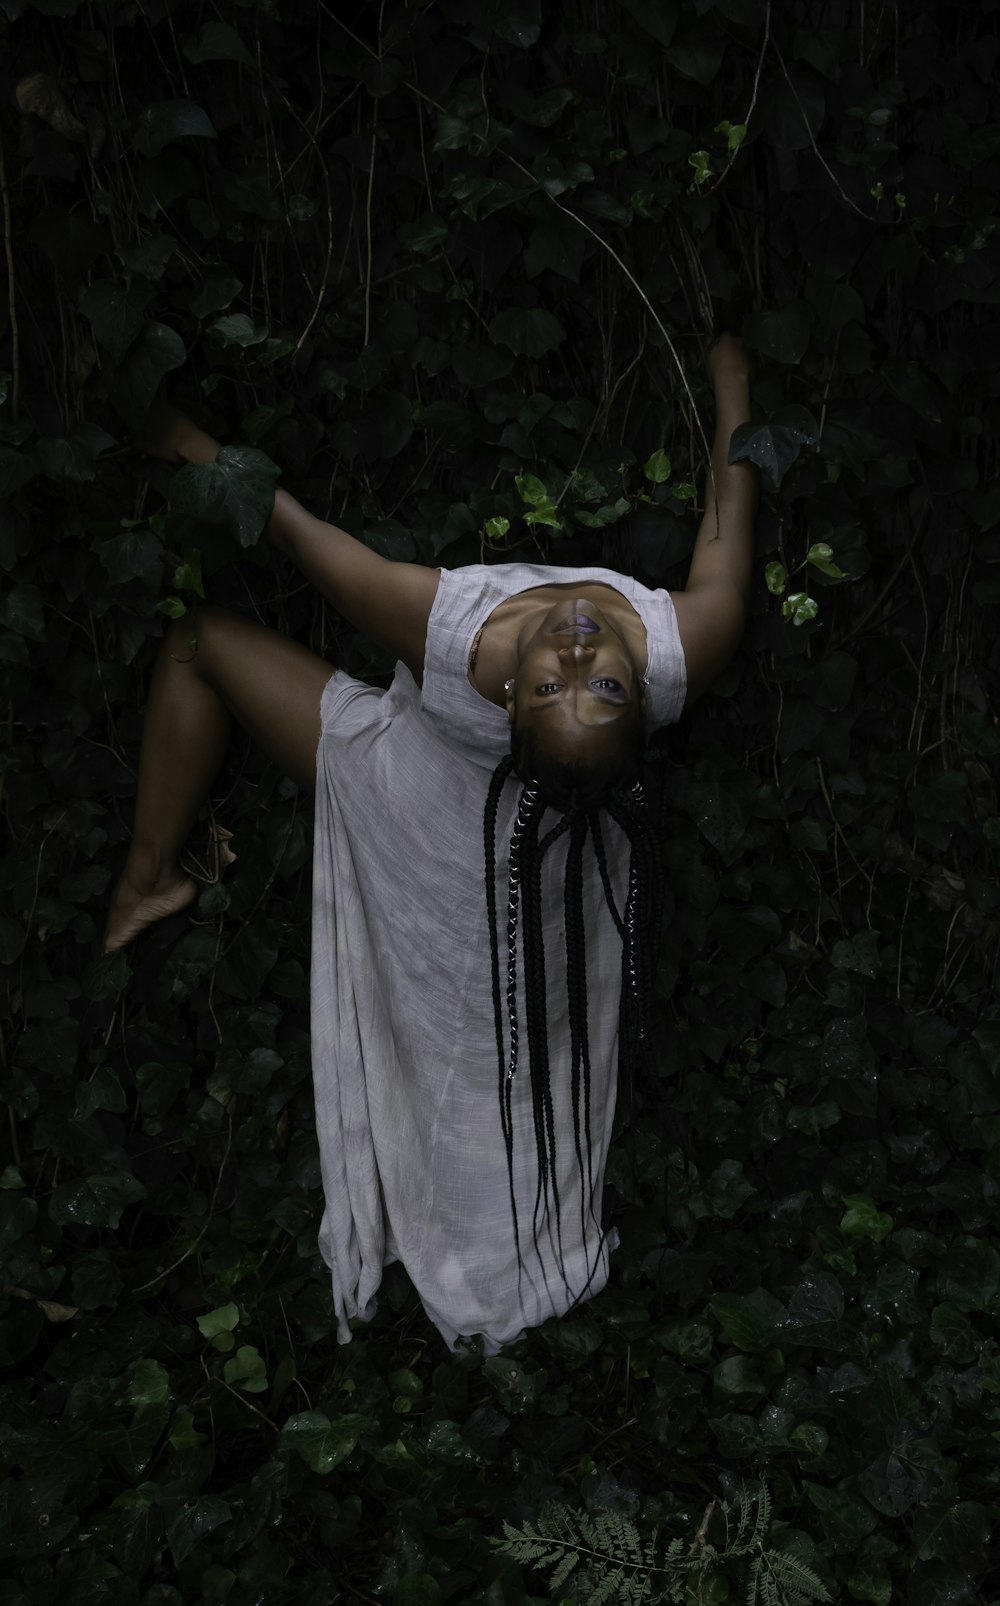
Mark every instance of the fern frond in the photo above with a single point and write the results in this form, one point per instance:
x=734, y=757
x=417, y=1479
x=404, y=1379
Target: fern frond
x=762, y=1498
x=778, y=1579
x=749, y=1503
x=569, y=1561
x=617, y=1535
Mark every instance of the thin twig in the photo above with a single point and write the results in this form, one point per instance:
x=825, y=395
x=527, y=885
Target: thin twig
x=15, y=336
x=869, y=217
x=189, y=1251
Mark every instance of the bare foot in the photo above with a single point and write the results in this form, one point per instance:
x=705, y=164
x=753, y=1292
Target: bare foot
x=133, y=909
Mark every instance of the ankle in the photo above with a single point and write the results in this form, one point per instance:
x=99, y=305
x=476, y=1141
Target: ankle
x=149, y=872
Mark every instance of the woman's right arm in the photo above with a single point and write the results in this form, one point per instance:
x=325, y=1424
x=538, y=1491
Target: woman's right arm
x=711, y=609
x=388, y=602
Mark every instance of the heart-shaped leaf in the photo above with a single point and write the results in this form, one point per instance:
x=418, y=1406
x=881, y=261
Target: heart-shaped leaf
x=160, y=125
x=155, y=353
x=775, y=445
x=237, y=491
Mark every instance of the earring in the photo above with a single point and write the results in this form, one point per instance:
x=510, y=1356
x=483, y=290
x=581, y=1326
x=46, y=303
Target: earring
x=507, y=685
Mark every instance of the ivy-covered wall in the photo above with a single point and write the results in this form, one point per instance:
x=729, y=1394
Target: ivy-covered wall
x=454, y=267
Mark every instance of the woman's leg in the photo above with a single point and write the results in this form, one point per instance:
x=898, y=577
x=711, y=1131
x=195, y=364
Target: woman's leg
x=213, y=667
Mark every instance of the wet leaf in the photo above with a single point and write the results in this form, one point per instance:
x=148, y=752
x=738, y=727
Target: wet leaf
x=236, y=490
x=169, y=120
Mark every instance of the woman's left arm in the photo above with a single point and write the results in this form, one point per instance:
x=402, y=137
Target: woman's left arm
x=711, y=609
x=389, y=602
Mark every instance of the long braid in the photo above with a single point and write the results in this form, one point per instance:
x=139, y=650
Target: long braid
x=536, y=1020
x=576, y=980
x=637, y=924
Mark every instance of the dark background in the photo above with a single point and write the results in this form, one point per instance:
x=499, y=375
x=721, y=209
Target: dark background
x=416, y=253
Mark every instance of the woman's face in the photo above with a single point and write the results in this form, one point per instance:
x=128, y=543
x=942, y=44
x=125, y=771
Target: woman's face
x=576, y=678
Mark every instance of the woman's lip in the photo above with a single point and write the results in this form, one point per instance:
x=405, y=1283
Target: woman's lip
x=579, y=622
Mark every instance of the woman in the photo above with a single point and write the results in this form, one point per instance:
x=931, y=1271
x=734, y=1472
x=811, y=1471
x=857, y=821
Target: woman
x=517, y=716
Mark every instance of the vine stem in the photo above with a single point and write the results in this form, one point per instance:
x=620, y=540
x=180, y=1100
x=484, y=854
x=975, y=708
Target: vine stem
x=753, y=97
x=15, y=334
x=368, y=197
x=869, y=217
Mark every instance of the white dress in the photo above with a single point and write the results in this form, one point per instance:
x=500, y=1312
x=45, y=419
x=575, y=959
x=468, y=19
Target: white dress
x=403, y=1038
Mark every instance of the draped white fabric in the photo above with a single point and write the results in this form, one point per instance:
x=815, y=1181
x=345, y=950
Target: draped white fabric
x=403, y=1036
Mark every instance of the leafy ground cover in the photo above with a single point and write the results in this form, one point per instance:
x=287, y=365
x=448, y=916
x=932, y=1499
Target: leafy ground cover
x=453, y=268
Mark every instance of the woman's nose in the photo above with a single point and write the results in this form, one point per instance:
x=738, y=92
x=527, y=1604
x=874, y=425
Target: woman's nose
x=576, y=650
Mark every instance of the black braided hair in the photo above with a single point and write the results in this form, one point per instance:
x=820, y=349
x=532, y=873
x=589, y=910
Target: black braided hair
x=638, y=925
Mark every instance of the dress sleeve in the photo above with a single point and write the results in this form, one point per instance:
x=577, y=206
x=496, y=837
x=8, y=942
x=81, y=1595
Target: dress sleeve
x=667, y=669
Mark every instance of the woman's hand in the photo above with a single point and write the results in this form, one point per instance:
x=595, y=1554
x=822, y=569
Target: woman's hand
x=172, y=435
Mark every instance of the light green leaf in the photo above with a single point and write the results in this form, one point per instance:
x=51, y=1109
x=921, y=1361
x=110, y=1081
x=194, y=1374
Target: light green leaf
x=657, y=468
x=531, y=490
x=862, y=1219
x=820, y=555
x=799, y=608
x=246, y=1370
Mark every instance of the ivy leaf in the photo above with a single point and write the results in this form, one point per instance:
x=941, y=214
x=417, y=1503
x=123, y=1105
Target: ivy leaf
x=219, y=1322
x=322, y=1444
x=820, y=555
x=862, y=1219
x=424, y=235
x=236, y=329
x=151, y=256
x=529, y=333
x=657, y=17
x=116, y=312
x=246, y=1370
x=774, y=446
x=780, y=333
x=168, y=121
x=150, y=1384
x=136, y=554
x=215, y=293
x=657, y=468
x=193, y=1522
x=557, y=244
x=154, y=354
x=237, y=491
x=95, y=1201
x=217, y=41
x=21, y=611
x=105, y=977
x=799, y=608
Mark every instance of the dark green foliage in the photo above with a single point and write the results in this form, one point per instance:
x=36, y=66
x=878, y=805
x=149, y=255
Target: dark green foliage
x=440, y=263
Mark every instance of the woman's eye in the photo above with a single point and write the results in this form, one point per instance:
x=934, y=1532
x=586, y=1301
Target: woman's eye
x=549, y=687
x=607, y=684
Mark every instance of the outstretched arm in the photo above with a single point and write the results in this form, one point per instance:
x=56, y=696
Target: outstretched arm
x=712, y=607
x=388, y=602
